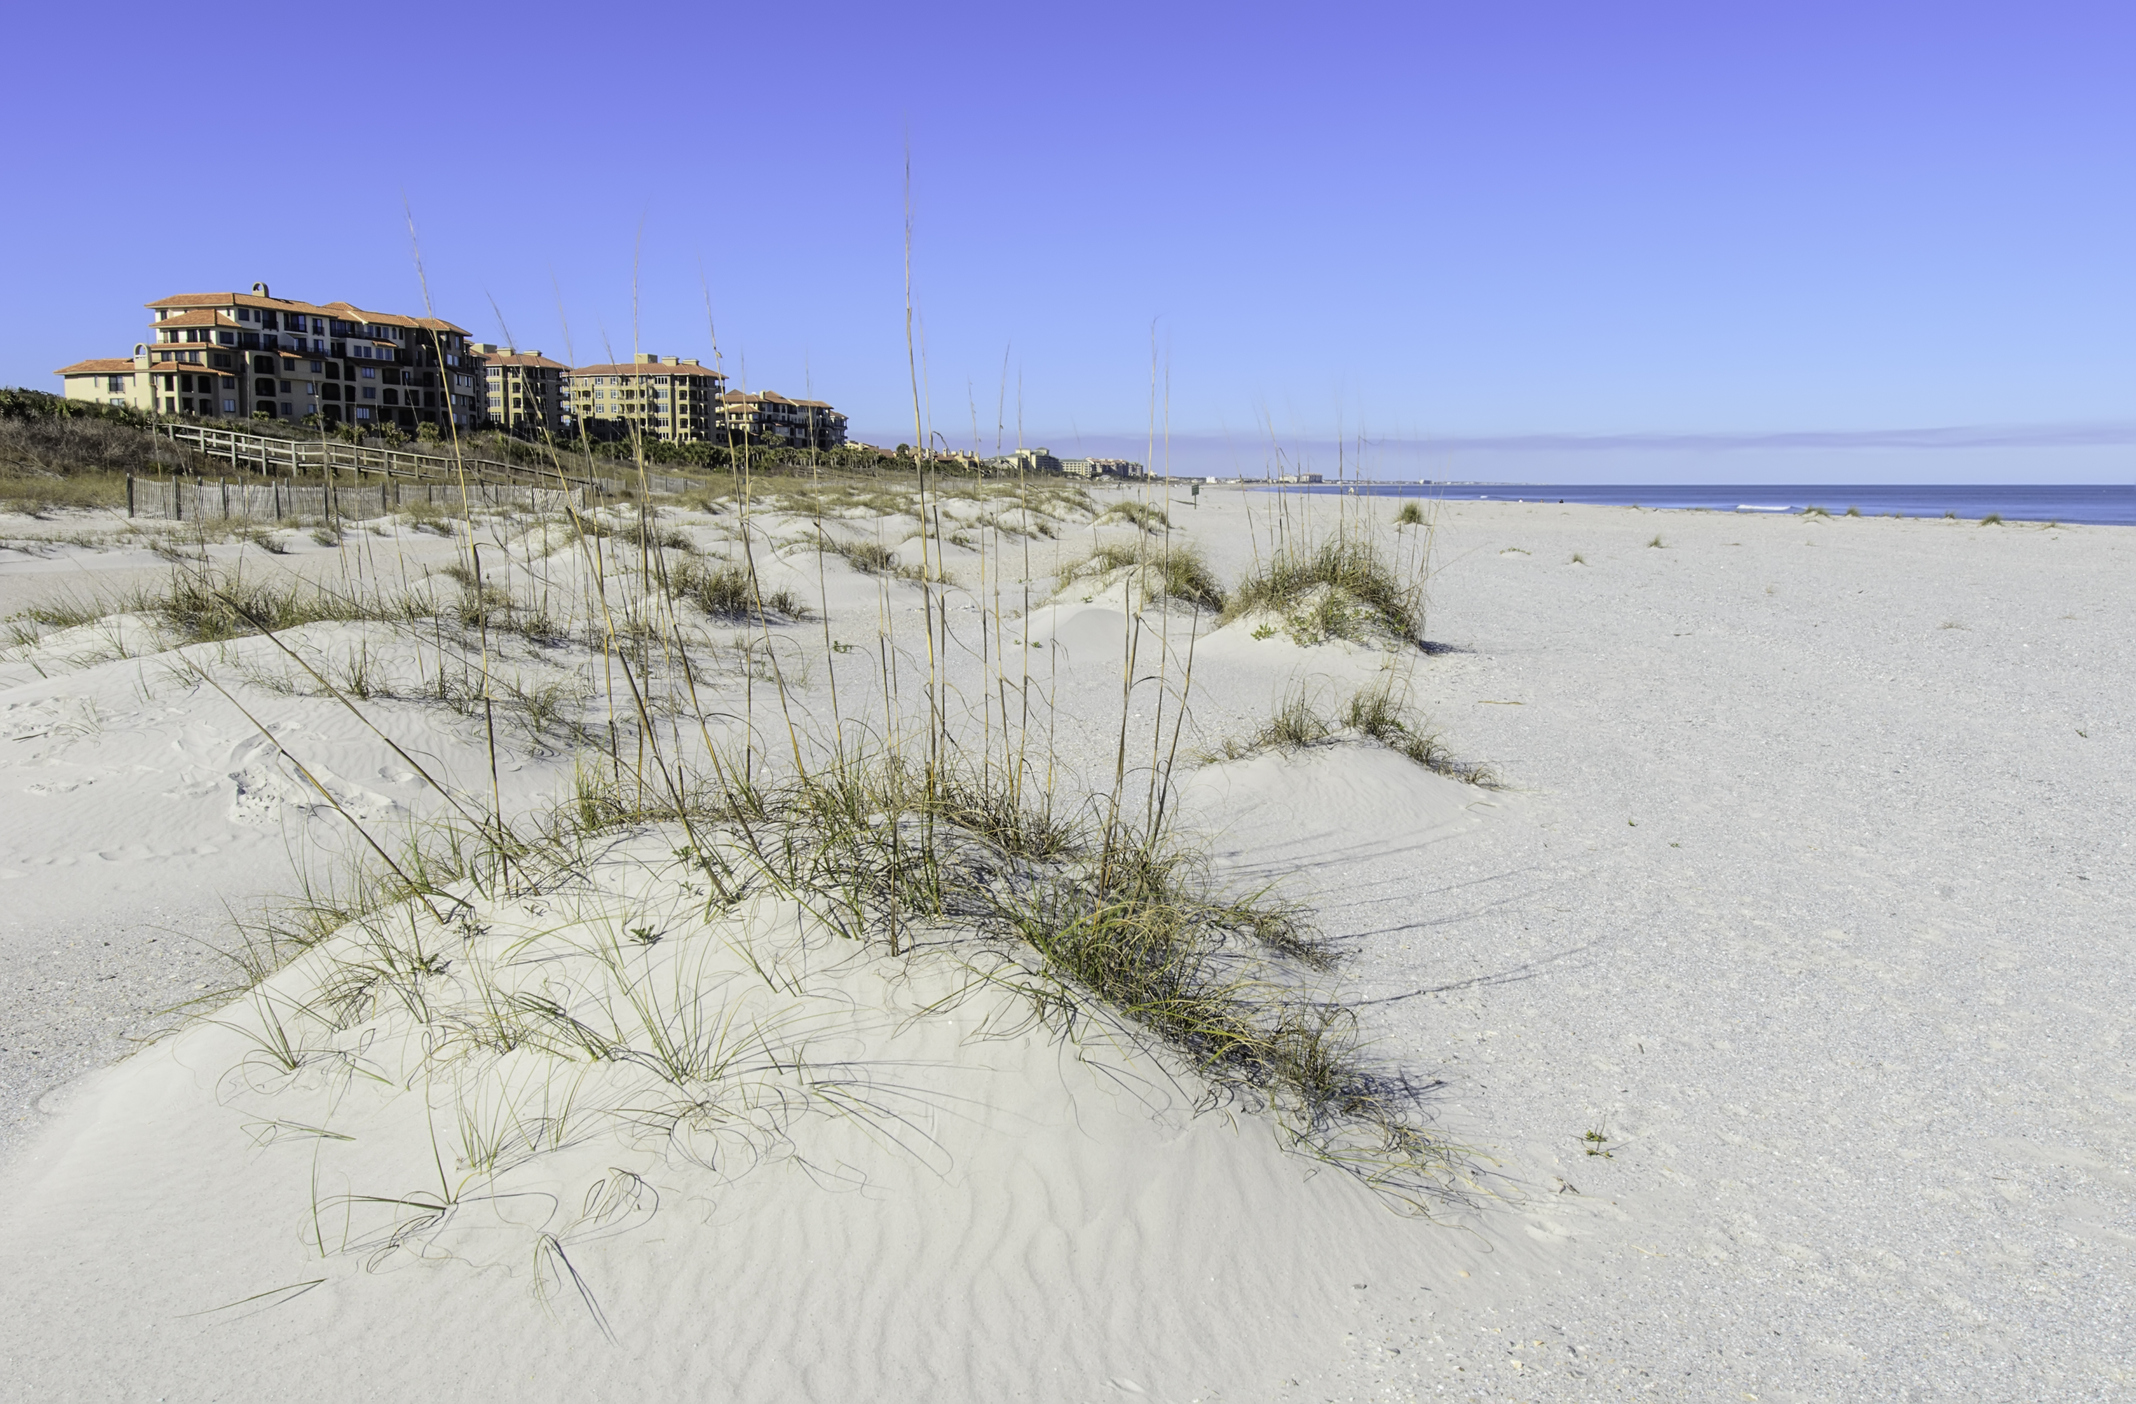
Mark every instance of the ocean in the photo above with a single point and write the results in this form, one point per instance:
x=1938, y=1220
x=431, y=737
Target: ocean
x=2098, y=504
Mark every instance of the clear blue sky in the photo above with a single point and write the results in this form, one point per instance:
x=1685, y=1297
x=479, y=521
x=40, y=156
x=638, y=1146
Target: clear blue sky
x=1416, y=222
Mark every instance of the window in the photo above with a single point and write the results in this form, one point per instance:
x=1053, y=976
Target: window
x=285, y=387
x=370, y=392
x=229, y=407
x=368, y=372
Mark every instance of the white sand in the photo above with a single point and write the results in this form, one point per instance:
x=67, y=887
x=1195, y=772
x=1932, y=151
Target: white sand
x=1816, y=909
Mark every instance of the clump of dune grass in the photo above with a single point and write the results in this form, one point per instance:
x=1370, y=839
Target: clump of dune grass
x=1145, y=515
x=1813, y=510
x=1412, y=514
x=870, y=557
x=1094, y=917
x=1374, y=713
x=730, y=592
x=1992, y=519
x=1854, y=511
x=1378, y=714
x=1342, y=589
x=1162, y=571
x=650, y=534
x=207, y=607
x=1089, y=922
x=1294, y=725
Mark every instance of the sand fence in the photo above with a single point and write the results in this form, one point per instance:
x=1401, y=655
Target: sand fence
x=190, y=500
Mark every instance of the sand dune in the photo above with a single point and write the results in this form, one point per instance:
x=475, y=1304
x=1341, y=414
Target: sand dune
x=1775, y=997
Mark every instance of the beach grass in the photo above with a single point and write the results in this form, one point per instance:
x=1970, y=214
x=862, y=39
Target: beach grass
x=1376, y=713
x=1341, y=588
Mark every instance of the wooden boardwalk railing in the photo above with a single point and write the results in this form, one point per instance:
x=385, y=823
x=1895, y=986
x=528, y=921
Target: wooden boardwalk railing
x=328, y=458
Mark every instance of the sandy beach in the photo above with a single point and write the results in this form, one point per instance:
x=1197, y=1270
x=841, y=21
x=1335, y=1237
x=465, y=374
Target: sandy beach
x=1770, y=1003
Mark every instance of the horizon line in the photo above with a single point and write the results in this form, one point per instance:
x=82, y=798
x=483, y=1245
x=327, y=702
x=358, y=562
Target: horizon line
x=2071, y=434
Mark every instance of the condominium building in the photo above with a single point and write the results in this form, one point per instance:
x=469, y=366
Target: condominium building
x=240, y=355
x=671, y=398
x=526, y=389
x=121, y=381
x=1102, y=468
x=769, y=418
x=1026, y=460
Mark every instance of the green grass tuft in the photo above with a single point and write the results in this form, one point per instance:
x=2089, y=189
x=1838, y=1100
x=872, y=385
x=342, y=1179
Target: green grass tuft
x=1373, y=714
x=1166, y=571
x=727, y=592
x=1342, y=589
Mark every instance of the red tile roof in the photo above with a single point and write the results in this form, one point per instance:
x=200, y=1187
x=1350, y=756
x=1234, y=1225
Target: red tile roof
x=649, y=368
x=739, y=397
x=521, y=358
x=346, y=311
x=232, y=299
x=200, y=317
x=110, y=365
